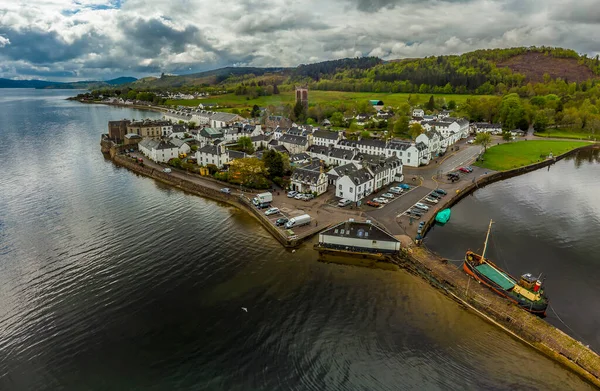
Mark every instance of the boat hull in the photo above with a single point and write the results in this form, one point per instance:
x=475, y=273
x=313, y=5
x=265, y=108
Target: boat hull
x=533, y=307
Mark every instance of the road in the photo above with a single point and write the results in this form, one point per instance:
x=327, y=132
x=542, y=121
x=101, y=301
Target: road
x=387, y=214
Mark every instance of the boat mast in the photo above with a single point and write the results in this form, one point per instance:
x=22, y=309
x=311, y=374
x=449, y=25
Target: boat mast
x=486, y=241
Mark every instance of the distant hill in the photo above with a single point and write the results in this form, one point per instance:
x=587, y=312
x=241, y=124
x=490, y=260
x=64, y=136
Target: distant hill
x=487, y=71
x=535, y=65
x=9, y=83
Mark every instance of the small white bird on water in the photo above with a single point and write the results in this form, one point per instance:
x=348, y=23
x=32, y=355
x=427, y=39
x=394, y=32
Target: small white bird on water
x=245, y=309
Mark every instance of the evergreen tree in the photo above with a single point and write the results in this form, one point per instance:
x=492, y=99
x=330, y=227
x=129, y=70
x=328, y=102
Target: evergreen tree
x=431, y=104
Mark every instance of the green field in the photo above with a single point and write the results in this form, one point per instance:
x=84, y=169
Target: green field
x=314, y=96
x=569, y=134
x=522, y=153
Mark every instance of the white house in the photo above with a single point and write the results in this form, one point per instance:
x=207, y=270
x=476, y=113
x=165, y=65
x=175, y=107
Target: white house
x=212, y=154
x=159, y=151
x=182, y=146
x=433, y=140
x=294, y=144
x=309, y=179
x=418, y=113
x=354, y=181
x=332, y=156
x=209, y=135
x=326, y=138
x=221, y=120
x=484, y=127
x=359, y=236
x=354, y=185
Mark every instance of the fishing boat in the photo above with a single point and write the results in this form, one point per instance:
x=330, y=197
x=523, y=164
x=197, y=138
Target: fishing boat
x=443, y=216
x=527, y=292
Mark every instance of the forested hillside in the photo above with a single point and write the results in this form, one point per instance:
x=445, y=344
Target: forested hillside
x=493, y=71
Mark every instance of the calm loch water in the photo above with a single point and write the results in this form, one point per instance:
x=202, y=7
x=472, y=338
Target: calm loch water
x=111, y=281
x=545, y=222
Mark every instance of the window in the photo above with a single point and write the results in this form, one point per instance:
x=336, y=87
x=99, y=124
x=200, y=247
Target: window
x=409, y=154
x=342, y=231
x=340, y=187
x=351, y=190
x=359, y=189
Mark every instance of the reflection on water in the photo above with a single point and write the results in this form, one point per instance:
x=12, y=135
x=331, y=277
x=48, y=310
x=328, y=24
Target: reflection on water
x=544, y=222
x=111, y=281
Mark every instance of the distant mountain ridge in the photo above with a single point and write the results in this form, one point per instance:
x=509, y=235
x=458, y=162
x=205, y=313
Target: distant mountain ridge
x=9, y=83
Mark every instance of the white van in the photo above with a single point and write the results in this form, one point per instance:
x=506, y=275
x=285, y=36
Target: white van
x=298, y=221
x=344, y=202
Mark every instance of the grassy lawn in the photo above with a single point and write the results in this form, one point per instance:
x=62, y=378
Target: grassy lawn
x=569, y=134
x=521, y=153
x=314, y=96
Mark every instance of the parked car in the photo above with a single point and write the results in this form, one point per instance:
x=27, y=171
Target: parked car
x=272, y=211
x=373, y=203
x=420, y=230
x=469, y=168
x=388, y=195
x=299, y=196
x=404, y=186
x=463, y=169
x=435, y=195
x=344, y=202
x=281, y=221
x=381, y=200
x=441, y=191
x=431, y=200
x=471, y=141
x=396, y=190
x=226, y=190
x=308, y=196
x=167, y=170
x=415, y=213
x=421, y=205
x=292, y=194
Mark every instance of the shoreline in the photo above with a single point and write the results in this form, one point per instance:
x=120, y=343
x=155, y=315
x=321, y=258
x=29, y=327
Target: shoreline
x=420, y=261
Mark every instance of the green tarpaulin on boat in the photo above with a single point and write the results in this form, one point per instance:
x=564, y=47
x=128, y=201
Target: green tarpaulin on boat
x=443, y=216
x=498, y=277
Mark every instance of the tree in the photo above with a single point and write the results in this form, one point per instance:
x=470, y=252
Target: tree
x=299, y=112
x=192, y=125
x=484, y=139
x=273, y=163
x=365, y=134
x=452, y=105
x=512, y=112
x=248, y=171
x=431, y=104
x=506, y=136
x=275, y=89
x=255, y=113
x=541, y=121
x=337, y=119
x=401, y=125
x=415, y=130
x=245, y=144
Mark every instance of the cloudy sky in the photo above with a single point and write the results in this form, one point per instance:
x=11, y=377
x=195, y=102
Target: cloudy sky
x=102, y=39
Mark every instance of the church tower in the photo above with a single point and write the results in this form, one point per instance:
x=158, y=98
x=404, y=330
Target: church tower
x=302, y=95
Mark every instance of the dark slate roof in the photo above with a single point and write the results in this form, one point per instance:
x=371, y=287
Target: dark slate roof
x=347, y=143
x=440, y=123
x=273, y=142
x=379, y=164
x=309, y=173
x=342, y=153
x=299, y=157
x=281, y=149
x=156, y=144
x=209, y=149
x=236, y=154
x=372, y=143
x=260, y=137
x=353, y=229
x=296, y=132
x=485, y=125
x=179, y=128
x=225, y=117
x=399, y=146
x=325, y=134
x=290, y=139
x=360, y=176
x=320, y=149
x=421, y=146
x=177, y=142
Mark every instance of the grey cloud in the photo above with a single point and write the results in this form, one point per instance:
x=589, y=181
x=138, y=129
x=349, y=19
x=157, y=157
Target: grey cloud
x=149, y=37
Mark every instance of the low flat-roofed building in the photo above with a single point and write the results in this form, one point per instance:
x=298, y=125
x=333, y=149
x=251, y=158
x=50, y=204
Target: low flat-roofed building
x=356, y=236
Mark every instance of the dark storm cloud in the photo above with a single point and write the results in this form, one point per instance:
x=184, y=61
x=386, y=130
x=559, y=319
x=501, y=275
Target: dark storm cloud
x=377, y=5
x=149, y=37
x=41, y=47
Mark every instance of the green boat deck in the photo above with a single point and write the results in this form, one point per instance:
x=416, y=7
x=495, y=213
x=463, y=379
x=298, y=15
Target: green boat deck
x=498, y=277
